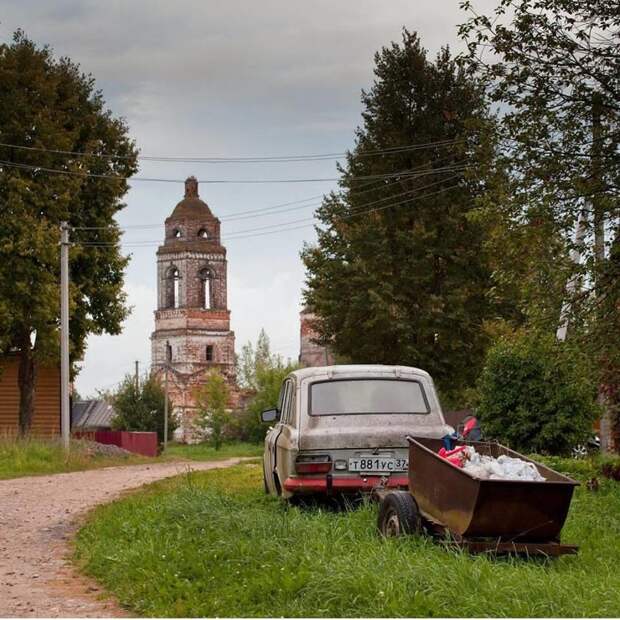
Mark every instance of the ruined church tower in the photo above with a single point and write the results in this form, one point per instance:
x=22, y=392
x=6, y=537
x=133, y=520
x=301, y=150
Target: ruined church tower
x=192, y=322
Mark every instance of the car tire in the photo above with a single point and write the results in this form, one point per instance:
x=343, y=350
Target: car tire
x=399, y=515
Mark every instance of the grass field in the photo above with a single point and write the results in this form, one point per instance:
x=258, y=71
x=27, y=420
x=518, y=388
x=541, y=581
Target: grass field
x=205, y=452
x=29, y=457
x=212, y=544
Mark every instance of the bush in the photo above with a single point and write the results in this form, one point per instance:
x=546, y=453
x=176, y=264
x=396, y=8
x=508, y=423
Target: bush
x=142, y=408
x=246, y=425
x=536, y=395
x=213, y=413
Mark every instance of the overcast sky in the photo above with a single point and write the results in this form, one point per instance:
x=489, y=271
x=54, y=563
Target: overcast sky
x=212, y=78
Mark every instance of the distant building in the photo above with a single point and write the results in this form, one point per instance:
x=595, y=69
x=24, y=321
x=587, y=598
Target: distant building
x=91, y=415
x=311, y=353
x=192, y=322
x=46, y=418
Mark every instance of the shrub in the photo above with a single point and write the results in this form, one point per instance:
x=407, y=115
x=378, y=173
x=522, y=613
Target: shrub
x=536, y=394
x=142, y=408
x=246, y=425
x=213, y=414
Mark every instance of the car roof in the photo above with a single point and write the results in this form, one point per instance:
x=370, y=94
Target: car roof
x=357, y=369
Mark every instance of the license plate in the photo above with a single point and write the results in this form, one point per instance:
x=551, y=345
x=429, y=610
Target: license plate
x=378, y=464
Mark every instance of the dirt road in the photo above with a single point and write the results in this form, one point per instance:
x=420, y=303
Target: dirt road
x=39, y=514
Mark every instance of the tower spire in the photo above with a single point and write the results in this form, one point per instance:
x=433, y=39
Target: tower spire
x=191, y=187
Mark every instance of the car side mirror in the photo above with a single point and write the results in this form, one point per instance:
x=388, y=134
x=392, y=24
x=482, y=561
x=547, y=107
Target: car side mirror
x=270, y=415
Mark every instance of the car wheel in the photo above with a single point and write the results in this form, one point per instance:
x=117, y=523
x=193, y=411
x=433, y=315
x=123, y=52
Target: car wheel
x=399, y=515
x=580, y=451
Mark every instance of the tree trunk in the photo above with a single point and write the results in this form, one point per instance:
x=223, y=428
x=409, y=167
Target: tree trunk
x=26, y=380
x=598, y=212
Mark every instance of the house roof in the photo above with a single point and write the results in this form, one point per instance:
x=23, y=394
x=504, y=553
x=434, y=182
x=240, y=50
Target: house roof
x=92, y=414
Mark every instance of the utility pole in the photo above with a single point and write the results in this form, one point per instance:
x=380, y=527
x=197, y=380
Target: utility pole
x=137, y=379
x=598, y=209
x=166, y=408
x=65, y=418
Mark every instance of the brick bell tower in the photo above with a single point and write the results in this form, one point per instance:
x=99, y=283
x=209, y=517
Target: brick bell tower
x=192, y=322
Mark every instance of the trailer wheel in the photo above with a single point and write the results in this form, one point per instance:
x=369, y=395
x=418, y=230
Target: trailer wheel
x=399, y=515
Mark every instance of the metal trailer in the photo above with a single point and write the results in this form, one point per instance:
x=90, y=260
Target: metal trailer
x=498, y=516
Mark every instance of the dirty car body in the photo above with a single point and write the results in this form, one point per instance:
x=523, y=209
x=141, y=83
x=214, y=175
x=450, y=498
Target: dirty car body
x=343, y=429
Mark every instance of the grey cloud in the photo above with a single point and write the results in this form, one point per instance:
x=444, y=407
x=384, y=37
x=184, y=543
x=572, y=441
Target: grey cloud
x=206, y=77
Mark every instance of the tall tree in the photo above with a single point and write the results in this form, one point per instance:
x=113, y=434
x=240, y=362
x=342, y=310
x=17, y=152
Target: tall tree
x=213, y=415
x=252, y=360
x=54, y=132
x=141, y=407
x=399, y=274
x=554, y=68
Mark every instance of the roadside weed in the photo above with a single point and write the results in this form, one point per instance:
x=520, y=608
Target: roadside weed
x=31, y=456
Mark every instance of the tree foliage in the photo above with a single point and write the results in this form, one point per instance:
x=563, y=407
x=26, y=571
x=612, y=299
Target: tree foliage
x=247, y=425
x=553, y=66
x=262, y=373
x=536, y=395
x=141, y=408
x=48, y=105
x=252, y=360
x=399, y=275
x=214, y=414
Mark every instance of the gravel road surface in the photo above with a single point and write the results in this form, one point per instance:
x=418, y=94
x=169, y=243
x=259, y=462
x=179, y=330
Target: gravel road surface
x=38, y=516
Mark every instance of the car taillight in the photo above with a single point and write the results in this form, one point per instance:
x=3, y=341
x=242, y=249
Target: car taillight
x=315, y=464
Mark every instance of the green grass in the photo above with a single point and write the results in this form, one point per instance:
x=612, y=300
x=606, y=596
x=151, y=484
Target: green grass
x=212, y=544
x=205, y=452
x=28, y=457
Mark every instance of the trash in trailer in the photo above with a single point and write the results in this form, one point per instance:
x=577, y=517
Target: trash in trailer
x=486, y=467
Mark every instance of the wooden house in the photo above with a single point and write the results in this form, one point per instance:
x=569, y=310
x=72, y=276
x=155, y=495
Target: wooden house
x=46, y=420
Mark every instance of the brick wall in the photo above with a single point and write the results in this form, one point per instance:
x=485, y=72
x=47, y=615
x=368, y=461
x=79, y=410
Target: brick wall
x=310, y=353
x=192, y=335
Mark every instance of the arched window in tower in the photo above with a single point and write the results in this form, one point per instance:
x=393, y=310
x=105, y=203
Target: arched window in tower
x=176, y=233
x=209, y=353
x=168, y=352
x=172, y=287
x=203, y=233
x=206, y=288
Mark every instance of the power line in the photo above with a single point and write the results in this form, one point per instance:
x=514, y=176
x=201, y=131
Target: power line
x=281, y=224
x=354, y=214
x=210, y=181
x=241, y=159
x=369, y=204
x=273, y=210
x=286, y=227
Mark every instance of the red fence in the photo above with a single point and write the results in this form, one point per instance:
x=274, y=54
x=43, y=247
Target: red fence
x=139, y=442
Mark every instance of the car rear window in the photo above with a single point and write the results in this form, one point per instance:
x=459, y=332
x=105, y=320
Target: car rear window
x=367, y=396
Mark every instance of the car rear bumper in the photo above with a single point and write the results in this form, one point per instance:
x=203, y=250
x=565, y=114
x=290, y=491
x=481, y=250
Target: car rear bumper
x=327, y=484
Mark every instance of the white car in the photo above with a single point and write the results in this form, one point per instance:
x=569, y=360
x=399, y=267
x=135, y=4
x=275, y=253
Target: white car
x=340, y=429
